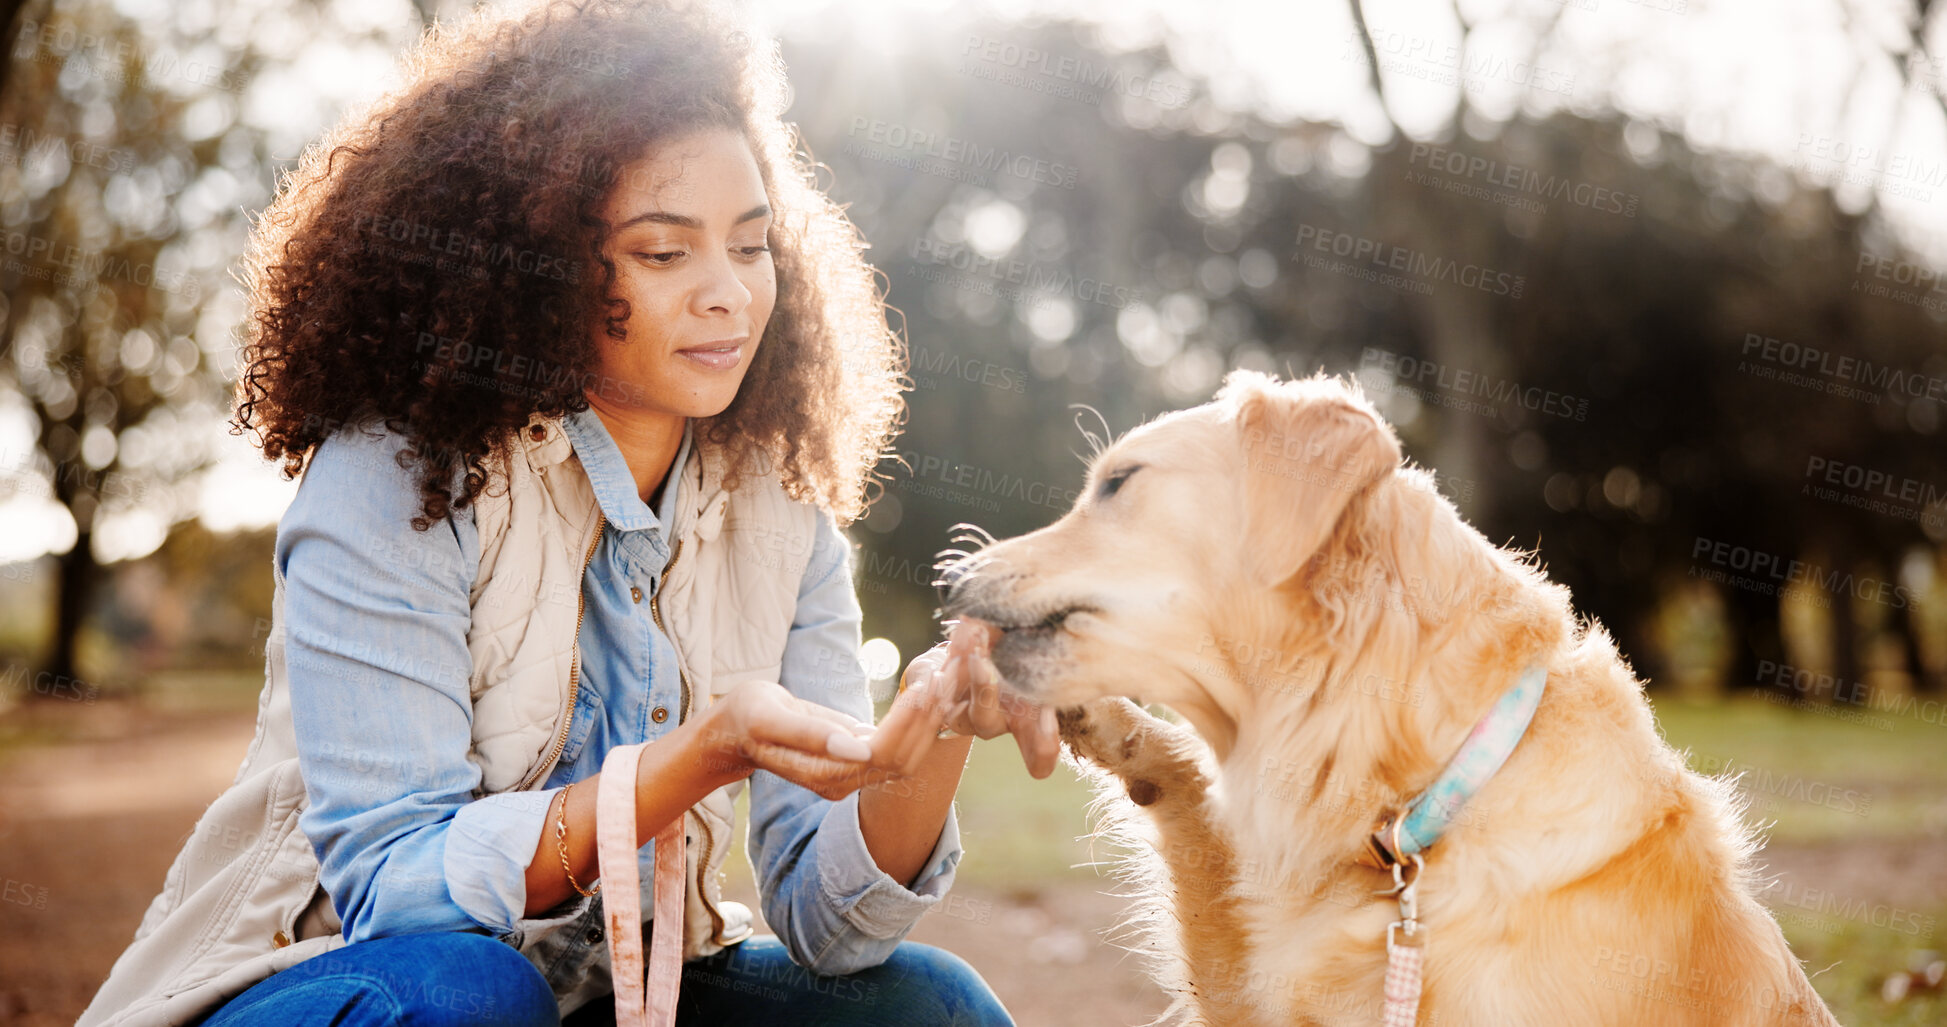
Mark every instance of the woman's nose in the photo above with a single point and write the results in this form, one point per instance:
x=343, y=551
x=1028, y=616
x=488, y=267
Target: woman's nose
x=723, y=290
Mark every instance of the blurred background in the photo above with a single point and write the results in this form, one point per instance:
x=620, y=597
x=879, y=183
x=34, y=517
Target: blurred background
x=1655, y=287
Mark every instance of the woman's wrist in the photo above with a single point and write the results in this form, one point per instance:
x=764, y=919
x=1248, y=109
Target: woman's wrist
x=710, y=748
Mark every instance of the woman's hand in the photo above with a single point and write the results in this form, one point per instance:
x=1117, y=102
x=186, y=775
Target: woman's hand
x=759, y=725
x=955, y=685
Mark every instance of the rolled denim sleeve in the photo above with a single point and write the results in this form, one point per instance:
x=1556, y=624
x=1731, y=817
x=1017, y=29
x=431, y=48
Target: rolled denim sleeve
x=830, y=904
x=376, y=656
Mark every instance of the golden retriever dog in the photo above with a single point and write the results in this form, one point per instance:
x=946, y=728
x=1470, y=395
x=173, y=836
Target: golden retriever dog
x=1265, y=566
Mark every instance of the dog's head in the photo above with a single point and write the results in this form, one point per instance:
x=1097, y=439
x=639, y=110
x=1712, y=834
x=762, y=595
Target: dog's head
x=1188, y=526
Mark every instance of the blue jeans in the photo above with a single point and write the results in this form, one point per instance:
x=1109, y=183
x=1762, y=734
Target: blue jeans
x=437, y=980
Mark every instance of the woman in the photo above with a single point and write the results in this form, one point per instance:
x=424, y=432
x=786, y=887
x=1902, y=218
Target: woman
x=582, y=374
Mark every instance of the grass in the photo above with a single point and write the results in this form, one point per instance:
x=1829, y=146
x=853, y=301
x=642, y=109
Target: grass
x=1848, y=960
x=1819, y=778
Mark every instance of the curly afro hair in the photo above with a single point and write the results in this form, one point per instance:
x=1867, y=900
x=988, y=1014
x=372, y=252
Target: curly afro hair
x=436, y=260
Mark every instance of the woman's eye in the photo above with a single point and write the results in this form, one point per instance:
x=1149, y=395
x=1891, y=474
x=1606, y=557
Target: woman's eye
x=662, y=259
x=752, y=251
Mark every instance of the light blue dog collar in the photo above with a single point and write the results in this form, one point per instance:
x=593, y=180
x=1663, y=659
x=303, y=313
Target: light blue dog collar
x=1401, y=835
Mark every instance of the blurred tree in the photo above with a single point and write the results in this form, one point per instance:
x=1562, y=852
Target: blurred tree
x=98, y=307
x=131, y=153
x=1645, y=270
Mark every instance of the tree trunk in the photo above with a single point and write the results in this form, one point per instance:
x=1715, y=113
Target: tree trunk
x=1924, y=680
x=1752, y=618
x=74, y=588
x=10, y=12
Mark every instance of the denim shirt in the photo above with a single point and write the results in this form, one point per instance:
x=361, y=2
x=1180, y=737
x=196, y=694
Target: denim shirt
x=379, y=677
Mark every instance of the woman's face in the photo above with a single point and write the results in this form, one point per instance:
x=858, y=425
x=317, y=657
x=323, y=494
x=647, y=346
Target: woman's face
x=688, y=229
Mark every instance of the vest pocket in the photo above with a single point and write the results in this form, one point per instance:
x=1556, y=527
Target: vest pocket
x=267, y=877
x=316, y=919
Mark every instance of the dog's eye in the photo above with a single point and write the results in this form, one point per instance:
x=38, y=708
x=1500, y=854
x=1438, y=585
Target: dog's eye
x=1111, y=484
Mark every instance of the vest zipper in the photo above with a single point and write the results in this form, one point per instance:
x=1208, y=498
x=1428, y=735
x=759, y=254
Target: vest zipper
x=656, y=614
x=574, y=660
x=709, y=836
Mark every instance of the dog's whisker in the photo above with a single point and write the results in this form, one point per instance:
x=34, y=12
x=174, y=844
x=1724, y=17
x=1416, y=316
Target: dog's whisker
x=1097, y=442
x=970, y=530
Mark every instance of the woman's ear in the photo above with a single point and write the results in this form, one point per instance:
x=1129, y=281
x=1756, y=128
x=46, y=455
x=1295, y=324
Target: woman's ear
x=1309, y=446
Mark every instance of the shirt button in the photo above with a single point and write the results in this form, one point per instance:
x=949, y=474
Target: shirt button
x=594, y=934
x=635, y=593
x=659, y=714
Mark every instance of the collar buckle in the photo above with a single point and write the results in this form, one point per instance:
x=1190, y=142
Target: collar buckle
x=1382, y=849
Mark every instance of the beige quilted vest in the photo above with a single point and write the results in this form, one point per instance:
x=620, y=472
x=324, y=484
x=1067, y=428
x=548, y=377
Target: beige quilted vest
x=242, y=900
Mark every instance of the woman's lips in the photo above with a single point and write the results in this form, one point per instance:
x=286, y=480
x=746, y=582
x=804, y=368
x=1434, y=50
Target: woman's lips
x=718, y=356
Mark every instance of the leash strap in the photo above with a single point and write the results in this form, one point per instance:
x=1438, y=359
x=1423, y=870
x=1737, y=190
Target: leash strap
x=1487, y=747
x=1405, y=950
x=1404, y=963
x=642, y=998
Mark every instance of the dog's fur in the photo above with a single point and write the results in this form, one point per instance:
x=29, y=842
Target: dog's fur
x=1332, y=630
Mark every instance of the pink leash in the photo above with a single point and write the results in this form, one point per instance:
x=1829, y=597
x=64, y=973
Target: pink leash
x=1406, y=953
x=1404, y=964
x=652, y=1002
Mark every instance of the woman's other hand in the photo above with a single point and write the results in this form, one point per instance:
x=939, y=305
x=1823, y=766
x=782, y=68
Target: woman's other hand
x=760, y=725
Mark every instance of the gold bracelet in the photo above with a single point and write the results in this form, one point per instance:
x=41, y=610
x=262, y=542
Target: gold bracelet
x=561, y=844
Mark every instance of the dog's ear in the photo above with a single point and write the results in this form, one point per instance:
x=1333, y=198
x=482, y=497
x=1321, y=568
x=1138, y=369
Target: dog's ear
x=1309, y=446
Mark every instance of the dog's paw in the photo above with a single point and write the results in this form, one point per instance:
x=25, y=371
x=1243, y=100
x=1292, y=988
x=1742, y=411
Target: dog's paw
x=1145, y=751
x=1106, y=731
